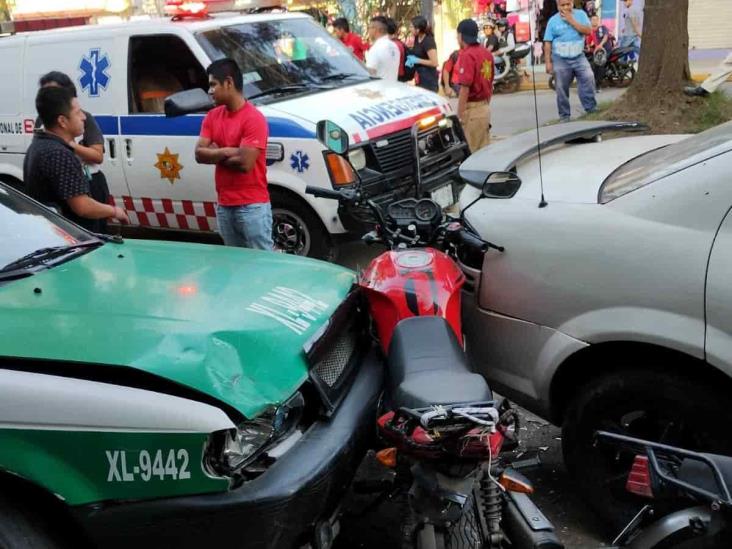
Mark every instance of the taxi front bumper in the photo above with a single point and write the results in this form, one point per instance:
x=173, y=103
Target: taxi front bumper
x=278, y=509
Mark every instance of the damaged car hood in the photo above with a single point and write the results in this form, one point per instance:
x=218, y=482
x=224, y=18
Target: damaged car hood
x=226, y=322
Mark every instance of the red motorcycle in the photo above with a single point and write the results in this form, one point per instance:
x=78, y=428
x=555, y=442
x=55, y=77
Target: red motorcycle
x=442, y=428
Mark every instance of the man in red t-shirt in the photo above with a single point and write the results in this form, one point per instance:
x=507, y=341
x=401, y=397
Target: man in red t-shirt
x=474, y=72
x=342, y=30
x=393, y=29
x=234, y=137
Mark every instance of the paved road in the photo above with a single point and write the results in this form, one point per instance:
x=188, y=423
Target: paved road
x=513, y=113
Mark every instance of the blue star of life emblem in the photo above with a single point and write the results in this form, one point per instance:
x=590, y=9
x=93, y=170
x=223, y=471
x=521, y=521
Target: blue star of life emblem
x=94, y=72
x=299, y=161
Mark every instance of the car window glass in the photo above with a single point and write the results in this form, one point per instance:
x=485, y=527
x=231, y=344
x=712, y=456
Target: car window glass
x=161, y=65
x=288, y=52
x=656, y=164
x=26, y=226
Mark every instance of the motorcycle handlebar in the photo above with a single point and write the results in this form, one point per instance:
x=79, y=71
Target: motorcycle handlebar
x=471, y=241
x=320, y=192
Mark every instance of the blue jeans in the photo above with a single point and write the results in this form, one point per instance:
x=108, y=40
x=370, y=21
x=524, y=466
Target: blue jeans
x=630, y=41
x=564, y=70
x=247, y=226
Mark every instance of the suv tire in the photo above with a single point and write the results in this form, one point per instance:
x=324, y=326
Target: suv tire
x=659, y=406
x=19, y=529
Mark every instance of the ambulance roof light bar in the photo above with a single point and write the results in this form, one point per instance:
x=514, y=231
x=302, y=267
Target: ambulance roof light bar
x=198, y=9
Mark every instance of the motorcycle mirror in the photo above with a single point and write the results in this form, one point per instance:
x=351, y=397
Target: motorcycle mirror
x=332, y=136
x=501, y=185
x=187, y=102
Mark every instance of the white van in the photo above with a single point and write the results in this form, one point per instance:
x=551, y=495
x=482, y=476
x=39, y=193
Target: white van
x=294, y=71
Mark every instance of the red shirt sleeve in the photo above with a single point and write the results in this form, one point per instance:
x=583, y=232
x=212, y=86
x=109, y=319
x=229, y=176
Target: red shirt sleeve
x=206, y=127
x=254, y=130
x=464, y=69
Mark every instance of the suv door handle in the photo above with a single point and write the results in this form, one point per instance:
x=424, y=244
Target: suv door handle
x=128, y=151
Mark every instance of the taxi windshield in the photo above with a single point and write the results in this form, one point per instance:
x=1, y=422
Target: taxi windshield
x=284, y=56
x=26, y=227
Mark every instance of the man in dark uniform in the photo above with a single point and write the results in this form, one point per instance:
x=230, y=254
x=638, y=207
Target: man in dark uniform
x=474, y=75
x=52, y=172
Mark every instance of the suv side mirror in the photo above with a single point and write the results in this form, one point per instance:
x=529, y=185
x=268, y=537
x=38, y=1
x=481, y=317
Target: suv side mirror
x=501, y=185
x=187, y=102
x=332, y=136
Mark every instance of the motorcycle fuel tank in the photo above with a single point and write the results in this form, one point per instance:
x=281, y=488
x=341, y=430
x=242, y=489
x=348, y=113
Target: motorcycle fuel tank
x=416, y=282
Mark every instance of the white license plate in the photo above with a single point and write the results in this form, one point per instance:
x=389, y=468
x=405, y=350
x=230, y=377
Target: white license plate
x=443, y=196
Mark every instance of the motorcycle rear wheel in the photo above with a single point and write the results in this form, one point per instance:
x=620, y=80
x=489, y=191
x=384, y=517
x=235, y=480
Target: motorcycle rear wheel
x=466, y=533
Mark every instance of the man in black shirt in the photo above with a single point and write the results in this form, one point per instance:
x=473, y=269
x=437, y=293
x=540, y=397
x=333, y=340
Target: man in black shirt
x=52, y=172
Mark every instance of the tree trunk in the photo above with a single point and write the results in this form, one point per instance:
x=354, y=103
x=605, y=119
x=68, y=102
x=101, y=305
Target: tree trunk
x=664, y=57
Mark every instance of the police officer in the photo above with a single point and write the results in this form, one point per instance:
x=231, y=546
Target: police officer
x=474, y=75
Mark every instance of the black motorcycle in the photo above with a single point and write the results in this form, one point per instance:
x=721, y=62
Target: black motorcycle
x=690, y=493
x=619, y=70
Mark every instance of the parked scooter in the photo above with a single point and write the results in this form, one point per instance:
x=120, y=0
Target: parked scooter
x=443, y=429
x=666, y=474
x=508, y=76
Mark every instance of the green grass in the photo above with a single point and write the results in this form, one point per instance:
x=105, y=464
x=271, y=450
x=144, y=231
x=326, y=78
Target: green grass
x=718, y=110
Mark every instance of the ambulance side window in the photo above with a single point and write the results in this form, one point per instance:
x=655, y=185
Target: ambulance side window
x=159, y=66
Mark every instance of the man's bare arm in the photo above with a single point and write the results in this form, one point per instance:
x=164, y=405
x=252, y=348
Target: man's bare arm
x=85, y=206
x=244, y=160
x=208, y=153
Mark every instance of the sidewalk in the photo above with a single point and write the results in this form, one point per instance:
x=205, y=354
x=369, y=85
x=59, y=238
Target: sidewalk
x=701, y=63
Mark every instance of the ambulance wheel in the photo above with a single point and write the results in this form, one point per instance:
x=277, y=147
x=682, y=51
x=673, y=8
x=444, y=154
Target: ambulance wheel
x=297, y=230
x=19, y=529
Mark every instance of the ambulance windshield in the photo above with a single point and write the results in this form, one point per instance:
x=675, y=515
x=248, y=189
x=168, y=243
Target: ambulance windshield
x=286, y=56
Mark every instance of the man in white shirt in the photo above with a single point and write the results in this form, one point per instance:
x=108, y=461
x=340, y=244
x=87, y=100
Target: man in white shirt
x=382, y=58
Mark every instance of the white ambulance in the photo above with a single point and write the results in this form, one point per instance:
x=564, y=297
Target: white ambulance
x=404, y=140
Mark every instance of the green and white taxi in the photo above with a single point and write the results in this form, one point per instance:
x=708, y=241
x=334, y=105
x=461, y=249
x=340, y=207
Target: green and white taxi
x=173, y=395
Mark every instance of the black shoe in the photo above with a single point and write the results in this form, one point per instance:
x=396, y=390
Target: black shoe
x=695, y=91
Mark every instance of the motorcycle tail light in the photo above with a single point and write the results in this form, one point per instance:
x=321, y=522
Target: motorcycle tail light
x=639, y=478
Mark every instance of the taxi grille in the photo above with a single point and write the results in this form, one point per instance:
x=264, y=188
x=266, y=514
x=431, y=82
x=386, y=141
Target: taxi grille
x=335, y=354
x=333, y=365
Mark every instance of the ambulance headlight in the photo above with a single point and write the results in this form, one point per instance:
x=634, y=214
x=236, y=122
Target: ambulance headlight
x=357, y=158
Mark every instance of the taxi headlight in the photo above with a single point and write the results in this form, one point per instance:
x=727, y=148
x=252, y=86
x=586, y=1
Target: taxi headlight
x=230, y=451
x=357, y=157
x=245, y=442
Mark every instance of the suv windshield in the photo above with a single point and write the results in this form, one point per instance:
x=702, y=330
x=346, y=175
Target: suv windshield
x=284, y=56
x=654, y=165
x=26, y=227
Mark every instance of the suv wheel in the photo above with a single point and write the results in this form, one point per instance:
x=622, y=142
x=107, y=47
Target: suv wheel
x=297, y=230
x=658, y=406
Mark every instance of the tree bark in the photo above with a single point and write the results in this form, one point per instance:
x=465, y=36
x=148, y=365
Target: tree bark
x=664, y=56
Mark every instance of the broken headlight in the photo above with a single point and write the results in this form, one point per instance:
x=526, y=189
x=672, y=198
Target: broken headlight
x=232, y=450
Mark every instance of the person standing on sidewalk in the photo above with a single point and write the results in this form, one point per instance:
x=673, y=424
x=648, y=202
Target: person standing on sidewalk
x=714, y=80
x=352, y=41
x=474, y=74
x=632, y=25
x=90, y=149
x=234, y=138
x=564, y=43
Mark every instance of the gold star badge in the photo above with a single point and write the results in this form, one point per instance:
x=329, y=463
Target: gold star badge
x=168, y=165
x=487, y=69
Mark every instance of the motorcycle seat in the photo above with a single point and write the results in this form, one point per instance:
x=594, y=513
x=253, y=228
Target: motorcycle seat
x=426, y=365
x=700, y=474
